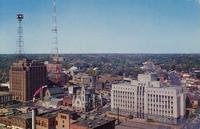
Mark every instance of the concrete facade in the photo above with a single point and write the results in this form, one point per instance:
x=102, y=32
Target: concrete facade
x=146, y=98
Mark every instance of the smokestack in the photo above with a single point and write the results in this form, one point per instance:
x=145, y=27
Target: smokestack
x=33, y=118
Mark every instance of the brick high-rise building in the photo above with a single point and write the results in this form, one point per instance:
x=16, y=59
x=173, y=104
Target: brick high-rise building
x=26, y=77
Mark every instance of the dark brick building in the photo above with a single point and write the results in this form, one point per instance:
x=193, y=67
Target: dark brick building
x=26, y=77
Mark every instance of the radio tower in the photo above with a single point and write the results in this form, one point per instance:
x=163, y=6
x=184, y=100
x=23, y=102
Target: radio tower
x=56, y=69
x=20, y=41
x=55, y=55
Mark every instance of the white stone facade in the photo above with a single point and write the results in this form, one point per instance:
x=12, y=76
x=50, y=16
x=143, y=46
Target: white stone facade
x=146, y=98
x=83, y=100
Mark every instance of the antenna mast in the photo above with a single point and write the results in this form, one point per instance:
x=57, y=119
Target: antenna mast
x=55, y=55
x=20, y=41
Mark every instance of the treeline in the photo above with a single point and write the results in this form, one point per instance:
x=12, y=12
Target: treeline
x=116, y=64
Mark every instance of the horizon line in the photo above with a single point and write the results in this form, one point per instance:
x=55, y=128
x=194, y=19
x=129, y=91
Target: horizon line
x=170, y=53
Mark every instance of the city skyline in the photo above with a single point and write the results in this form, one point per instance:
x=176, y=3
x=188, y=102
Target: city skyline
x=102, y=26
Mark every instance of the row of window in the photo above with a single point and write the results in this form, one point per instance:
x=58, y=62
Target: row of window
x=124, y=106
x=159, y=96
x=160, y=106
x=160, y=112
x=63, y=117
x=141, y=84
x=124, y=97
x=5, y=98
x=123, y=92
x=44, y=124
x=122, y=88
x=161, y=92
x=122, y=101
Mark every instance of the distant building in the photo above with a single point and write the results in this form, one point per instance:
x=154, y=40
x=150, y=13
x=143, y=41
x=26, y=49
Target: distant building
x=54, y=92
x=83, y=100
x=5, y=97
x=82, y=78
x=26, y=77
x=193, y=99
x=146, y=98
x=148, y=66
x=105, y=81
x=174, y=78
x=53, y=67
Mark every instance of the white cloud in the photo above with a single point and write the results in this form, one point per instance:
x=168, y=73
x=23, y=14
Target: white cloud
x=198, y=1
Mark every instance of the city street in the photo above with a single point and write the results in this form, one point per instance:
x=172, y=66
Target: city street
x=140, y=125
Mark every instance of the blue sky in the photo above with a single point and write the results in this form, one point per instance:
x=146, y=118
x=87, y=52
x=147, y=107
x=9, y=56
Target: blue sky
x=104, y=26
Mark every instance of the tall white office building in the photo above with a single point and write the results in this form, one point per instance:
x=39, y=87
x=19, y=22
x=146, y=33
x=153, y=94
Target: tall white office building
x=147, y=98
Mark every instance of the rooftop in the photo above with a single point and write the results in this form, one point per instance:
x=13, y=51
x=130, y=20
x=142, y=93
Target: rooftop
x=24, y=116
x=93, y=121
x=56, y=90
x=3, y=93
x=66, y=112
x=49, y=114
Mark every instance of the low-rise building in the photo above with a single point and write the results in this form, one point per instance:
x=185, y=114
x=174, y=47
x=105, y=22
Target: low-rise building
x=64, y=118
x=93, y=122
x=5, y=97
x=46, y=120
x=5, y=121
x=21, y=121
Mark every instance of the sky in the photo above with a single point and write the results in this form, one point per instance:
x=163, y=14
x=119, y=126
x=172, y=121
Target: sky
x=103, y=26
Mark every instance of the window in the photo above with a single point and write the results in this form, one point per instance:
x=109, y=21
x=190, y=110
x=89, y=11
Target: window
x=63, y=117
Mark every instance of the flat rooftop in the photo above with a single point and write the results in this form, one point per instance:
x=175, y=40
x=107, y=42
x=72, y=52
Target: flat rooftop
x=66, y=112
x=3, y=93
x=49, y=114
x=93, y=121
x=24, y=116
